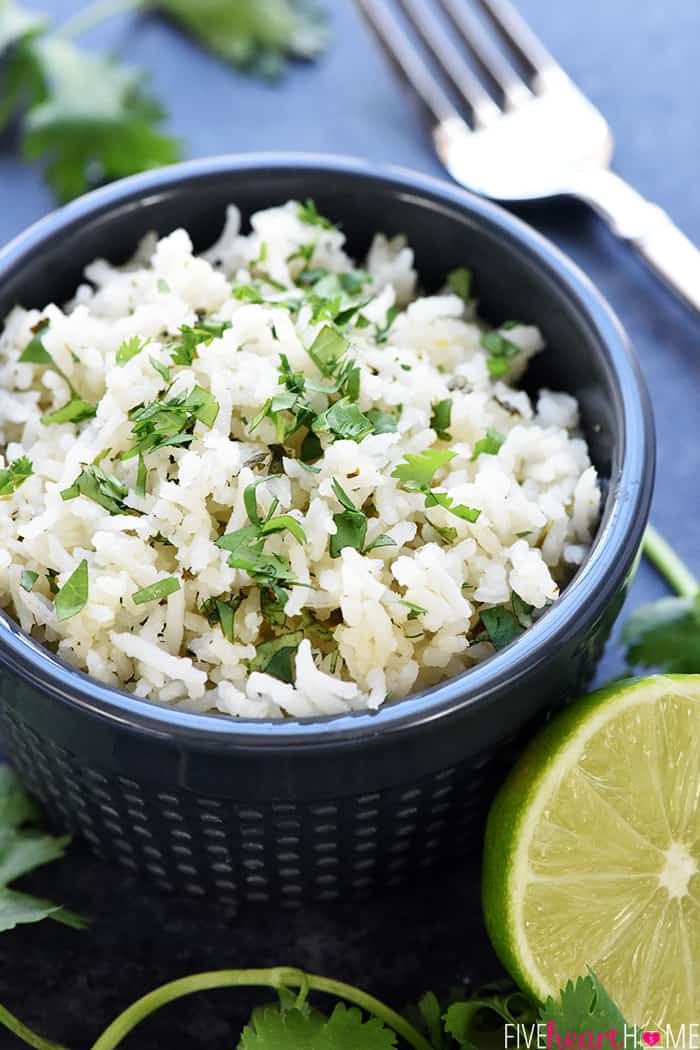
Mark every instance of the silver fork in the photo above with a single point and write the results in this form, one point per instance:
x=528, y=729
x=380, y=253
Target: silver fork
x=542, y=139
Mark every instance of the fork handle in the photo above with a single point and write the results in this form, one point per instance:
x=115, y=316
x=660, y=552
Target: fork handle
x=646, y=226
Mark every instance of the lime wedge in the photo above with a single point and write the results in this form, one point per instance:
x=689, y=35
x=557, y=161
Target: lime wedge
x=592, y=855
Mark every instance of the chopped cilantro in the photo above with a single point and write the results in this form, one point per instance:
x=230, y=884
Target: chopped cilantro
x=501, y=626
x=163, y=286
x=417, y=471
x=327, y=349
x=35, y=352
x=75, y=411
x=156, y=591
x=162, y=370
x=350, y=523
x=72, y=597
x=204, y=332
x=308, y=213
x=460, y=282
x=171, y=422
x=141, y=477
x=275, y=657
x=441, y=418
x=218, y=610
x=434, y=498
x=488, y=445
x=499, y=350
x=344, y=420
x=382, y=422
x=14, y=475
x=130, y=348
x=414, y=610
x=382, y=331
x=521, y=610
x=28, y=579
x=101, y=488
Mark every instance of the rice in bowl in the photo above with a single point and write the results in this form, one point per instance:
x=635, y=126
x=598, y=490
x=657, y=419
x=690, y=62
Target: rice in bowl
x=268, y=482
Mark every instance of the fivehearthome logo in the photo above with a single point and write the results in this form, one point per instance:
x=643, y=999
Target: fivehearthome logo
x=547, y=1036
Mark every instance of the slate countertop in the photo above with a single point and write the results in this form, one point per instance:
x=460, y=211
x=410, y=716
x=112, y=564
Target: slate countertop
x=641, y=64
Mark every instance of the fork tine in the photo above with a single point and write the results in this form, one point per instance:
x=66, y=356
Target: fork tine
x=517, y=33
x=406, y=57
x=489, y=57
x=484, y=109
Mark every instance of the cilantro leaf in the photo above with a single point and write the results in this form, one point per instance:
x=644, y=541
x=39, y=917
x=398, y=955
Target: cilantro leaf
x=164, y=423
x=501, y=626
x=130, y=348
x=417, y=471
x=35, y=353
x=23, y=848
x=204, y=332
x=86, y=116
x=218, y=610
x=479, y=1020
x=308, y=213
x=254, y=36
x=350, y=524
x=156, y=591
x=101, y=488
x=28, y=579
x=344, y=420
x=499, y=350
x=382, y=422
x=75, y=411
x=275, y=657
x=459, y=281
x=444, y=500
x=15, y=474
x=327, y=349
x=291, y=1029
x=584, y=1006
x=73, y=595
x=441, y=418
x=488, y=445
x=666, y=635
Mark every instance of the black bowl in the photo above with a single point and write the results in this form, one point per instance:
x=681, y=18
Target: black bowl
x=318, y=808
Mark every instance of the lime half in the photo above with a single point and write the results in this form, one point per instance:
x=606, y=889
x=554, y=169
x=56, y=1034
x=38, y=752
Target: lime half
x=592, y=854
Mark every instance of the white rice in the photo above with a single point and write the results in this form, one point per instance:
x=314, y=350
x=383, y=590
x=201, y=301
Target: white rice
x=373, y=625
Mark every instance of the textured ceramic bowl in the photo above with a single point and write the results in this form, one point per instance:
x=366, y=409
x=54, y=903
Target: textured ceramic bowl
x=292, y=810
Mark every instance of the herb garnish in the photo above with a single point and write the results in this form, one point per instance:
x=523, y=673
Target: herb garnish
x=488, y=445
x=308, y=213
x=441, y=418
x=156, y=591
x=76, y=410
x=73, y=595
x=416, y=474
x=14, y=475
x=459, y=281
x=499, y=350
x=28, y=579
x=204, y=332
x=171, y=422
x=222, y=611
x=275, y=657
x=130, y=348
x=102, y=488
x=246, y=545
x=351, y=527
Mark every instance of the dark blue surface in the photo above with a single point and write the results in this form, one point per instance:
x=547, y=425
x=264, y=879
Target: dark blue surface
x=641, y=64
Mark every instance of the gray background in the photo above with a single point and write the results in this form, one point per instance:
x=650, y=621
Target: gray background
x=640, y=62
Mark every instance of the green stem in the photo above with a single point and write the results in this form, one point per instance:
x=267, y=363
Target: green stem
x=277, y=977
x=664, y=558
x=99, y=11
x=22, y=1032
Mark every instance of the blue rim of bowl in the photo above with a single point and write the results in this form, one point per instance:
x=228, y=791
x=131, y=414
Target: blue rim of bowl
x=615, y=546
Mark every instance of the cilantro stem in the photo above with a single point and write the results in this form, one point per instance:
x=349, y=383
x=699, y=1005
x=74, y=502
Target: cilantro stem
x=276, y=977
x=22, y=1032
x=663, y=557
x=97, y=12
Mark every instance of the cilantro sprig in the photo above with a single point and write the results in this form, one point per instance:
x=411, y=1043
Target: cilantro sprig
x=168, y=422
x=416, y=474
x=15, y=475
x=89, y=119
x=665, y=634
x=359, y=1021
